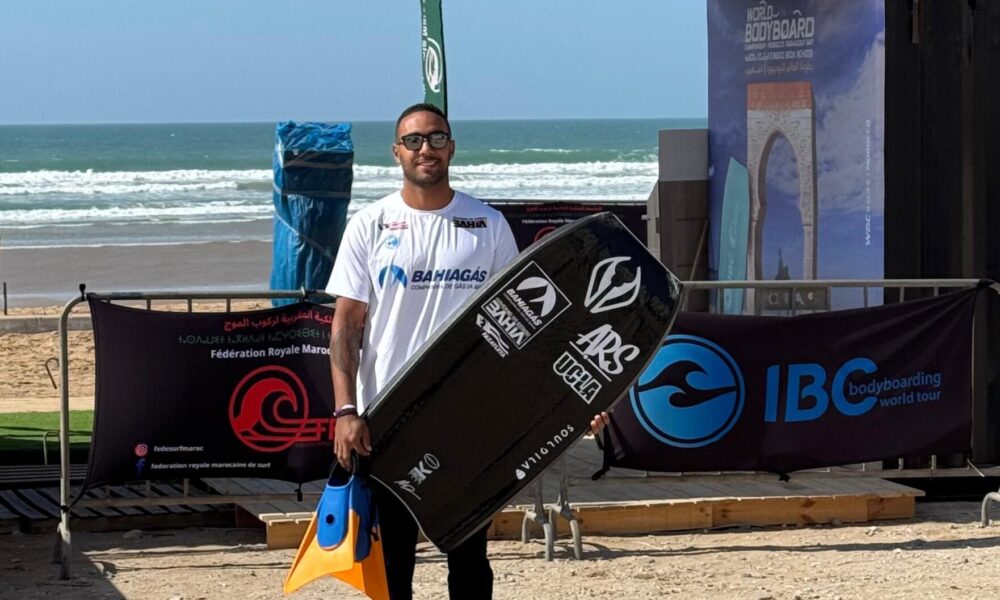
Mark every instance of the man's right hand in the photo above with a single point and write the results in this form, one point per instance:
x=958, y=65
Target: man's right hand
x=346, y=335
x=350, y=435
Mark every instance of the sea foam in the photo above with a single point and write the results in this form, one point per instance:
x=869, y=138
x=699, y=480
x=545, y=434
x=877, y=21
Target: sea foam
x=50, y=203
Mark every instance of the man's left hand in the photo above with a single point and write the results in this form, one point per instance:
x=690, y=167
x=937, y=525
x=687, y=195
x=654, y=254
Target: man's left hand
x=599, y=422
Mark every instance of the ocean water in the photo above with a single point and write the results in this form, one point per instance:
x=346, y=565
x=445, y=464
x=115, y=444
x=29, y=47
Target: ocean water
x=100, y=185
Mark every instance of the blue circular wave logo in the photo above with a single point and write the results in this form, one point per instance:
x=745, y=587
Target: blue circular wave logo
x=691, y=394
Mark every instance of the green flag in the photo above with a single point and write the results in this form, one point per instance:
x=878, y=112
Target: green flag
x=432, y=52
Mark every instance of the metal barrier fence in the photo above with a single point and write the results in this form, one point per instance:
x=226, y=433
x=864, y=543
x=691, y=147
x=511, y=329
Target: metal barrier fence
x=788, y=297
x=794, y=296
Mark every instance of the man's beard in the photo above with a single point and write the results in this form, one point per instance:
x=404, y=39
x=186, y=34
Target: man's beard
x=414, y=176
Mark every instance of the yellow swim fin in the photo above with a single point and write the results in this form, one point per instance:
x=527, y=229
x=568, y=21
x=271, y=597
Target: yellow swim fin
x=368, y=574
x=312, y=562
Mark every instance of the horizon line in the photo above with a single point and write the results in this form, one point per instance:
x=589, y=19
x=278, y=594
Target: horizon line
x=254, y=122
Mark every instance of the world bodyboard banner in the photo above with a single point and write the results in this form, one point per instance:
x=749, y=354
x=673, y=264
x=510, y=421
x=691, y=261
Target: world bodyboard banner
x=781, y=394
x=796, y=122
x=243, y=394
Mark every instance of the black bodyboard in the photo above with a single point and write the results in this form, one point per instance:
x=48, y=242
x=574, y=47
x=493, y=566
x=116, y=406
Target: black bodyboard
x=509, y=382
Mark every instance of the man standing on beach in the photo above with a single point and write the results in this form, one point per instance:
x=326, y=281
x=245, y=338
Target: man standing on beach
x=425, y=226
x=381, y=320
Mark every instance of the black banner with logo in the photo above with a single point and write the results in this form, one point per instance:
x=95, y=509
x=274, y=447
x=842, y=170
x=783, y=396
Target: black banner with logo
x=532, y=220
x=781, y=394
x=243, y=394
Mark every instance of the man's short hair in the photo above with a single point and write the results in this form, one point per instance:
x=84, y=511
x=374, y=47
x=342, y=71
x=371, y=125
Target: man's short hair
x=422, y=107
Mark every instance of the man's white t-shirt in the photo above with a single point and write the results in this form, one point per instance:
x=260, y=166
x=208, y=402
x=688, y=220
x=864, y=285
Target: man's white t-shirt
x=414, y=269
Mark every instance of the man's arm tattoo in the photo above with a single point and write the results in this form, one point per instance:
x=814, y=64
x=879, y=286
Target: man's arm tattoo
x=345, y=350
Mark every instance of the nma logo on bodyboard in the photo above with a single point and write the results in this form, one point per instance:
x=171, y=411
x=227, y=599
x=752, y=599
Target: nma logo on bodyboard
x=522, y=308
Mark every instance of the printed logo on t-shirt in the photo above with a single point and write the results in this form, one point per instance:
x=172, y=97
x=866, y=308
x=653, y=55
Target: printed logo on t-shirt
x=469, y=222
x=448, y=279
x=391, y=242
x=393, y=226
x=392, y=273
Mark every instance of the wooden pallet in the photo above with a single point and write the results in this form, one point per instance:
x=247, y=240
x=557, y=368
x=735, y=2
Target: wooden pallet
x=631, y=505
x=727, y=501
x=36, y=509
x=285, y=521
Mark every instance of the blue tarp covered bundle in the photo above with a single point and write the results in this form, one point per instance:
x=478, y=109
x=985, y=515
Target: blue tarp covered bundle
x=312, y=188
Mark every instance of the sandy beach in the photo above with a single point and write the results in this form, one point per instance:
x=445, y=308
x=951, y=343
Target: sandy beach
x=29, y=371
x=941, y=554
x=51, y=276
x=25, y=385
x=41, y=280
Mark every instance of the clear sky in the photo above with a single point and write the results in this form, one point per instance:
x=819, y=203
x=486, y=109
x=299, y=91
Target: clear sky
x=147, y=61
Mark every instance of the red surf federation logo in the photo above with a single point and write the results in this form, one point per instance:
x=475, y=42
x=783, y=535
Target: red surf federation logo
x=544, y=231
x=269, y=411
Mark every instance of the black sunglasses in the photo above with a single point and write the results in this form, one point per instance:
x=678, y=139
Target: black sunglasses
x=414, y=141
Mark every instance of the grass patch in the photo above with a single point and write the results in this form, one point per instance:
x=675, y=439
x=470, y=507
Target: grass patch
x=23, y=431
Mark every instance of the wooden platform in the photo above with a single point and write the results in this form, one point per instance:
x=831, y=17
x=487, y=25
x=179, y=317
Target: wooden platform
x=284, y=520
x=630, y=502
x=35, y=509
x=623, y=502
x=706, y=501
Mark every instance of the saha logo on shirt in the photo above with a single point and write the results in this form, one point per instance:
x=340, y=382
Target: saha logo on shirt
x=469, y=222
